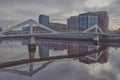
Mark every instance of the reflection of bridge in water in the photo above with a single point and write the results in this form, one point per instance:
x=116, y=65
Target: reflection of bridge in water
x=31, y=70
x=92, y=33
x=95, y=54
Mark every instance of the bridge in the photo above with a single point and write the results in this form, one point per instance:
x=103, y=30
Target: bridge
x=93, y=33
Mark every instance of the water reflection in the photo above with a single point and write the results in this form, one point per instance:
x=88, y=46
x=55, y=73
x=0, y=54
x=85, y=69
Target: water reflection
x=31, y=50
x=49, y=51
x=100, y=57
x=31, y=71
x=88, y=54
x=43, y=51
x=100, y=52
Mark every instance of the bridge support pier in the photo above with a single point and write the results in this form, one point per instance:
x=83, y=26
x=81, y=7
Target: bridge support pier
x=96, y=38
x=32, y=47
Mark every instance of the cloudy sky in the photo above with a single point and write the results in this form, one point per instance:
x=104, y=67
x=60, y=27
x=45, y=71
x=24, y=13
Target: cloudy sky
x=16, y=11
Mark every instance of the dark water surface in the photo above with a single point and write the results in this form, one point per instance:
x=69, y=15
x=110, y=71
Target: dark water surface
x=59, y=60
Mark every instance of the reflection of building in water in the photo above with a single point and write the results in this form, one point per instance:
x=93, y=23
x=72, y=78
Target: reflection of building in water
x=100, y=57
x=77, y=49
x=97, y=55
x=53, y=45
x=43, y=51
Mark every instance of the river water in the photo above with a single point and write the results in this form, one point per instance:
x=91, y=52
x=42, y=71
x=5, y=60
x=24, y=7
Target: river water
x=59, y=60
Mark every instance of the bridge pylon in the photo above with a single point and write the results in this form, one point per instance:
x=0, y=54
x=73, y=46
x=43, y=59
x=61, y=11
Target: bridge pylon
x=97, y=30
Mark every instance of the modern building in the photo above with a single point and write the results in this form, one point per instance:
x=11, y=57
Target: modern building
x=44, y=20
x=115, y=31
x=73, y=23
x=26, y=30
x=87, y=20
x=36, y=29
x=58, y=27
x=103, y=20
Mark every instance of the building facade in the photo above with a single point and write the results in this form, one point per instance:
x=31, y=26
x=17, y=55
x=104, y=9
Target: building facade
x=26, y=30
x=36, y=29
x=73, y=23
x=58, y=27
x=103, y=20
x=44, y=20
x=87, y=20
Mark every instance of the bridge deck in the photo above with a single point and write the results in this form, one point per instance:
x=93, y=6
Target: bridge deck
x=89, y=36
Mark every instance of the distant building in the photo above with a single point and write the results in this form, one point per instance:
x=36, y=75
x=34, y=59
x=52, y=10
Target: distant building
x=44, y=20
x=87, y=20
x=36, y=29
x=26, y=30
x=73, y=23
x=58, y=27
x=114, y=31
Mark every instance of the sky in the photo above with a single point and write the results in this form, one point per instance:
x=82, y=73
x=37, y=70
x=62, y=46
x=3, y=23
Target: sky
x=15, y=11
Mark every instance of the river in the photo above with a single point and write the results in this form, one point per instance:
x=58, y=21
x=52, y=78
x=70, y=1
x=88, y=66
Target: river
x=58, y=60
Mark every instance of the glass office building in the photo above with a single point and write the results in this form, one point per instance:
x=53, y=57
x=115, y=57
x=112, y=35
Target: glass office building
x=26, y=30
x=58, y=27
x=73, y=23
x=44, y=20
x=87, y=20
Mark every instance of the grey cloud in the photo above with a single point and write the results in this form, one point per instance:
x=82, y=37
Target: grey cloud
x=113, y=12
x=65, y=71
x=58, y=10
x=29, y=8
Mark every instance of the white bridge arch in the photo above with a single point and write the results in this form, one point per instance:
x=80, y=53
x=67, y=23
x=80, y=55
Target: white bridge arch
x=30, y=22
x=96, y=27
